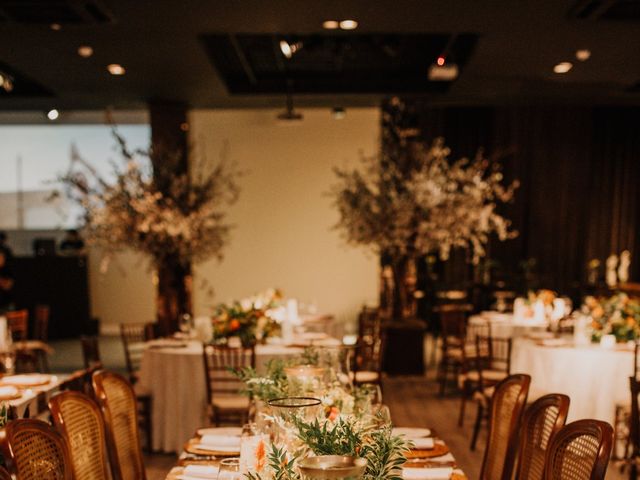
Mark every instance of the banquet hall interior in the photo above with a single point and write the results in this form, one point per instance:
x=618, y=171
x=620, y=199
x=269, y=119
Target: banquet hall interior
x=305, y=240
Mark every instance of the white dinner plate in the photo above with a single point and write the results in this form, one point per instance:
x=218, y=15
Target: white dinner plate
x=220, y=431
x=218, y=448
x=412, y=432
x=27, y=380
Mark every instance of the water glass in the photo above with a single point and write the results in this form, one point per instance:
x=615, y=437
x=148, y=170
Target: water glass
x=230, y=469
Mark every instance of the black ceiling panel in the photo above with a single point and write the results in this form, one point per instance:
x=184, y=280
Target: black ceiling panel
x=363, y=63
x=23, y=86
x=46, y=12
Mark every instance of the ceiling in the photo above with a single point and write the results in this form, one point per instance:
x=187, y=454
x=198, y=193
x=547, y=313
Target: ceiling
x=204, y=53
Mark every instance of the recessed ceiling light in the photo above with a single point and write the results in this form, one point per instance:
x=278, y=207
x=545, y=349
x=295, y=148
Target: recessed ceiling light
x=116, y=69
x=440, y=61
x=330, y=24
x=348, y=24
x=563, y=67
x=53, y=114
x=583, y=54
x=85, y=51
x=56, y=27
x=6, y=82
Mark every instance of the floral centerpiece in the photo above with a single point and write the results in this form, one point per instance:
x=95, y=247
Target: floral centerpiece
x=250, y=319
x=345, y=426
x=153, y=205
x=618, y=315
x=412, y=200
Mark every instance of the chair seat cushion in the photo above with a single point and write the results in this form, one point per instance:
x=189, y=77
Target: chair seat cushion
x=456, y=352
x=488, y=376
x=484, y=397
x=231, y=402
x=366, y=376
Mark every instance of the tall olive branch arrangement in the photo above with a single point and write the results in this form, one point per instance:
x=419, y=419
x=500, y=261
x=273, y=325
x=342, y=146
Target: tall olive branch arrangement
x=169, y=214
x=412, y=200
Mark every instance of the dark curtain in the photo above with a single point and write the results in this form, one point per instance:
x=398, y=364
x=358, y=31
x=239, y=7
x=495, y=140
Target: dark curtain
x=579, y=168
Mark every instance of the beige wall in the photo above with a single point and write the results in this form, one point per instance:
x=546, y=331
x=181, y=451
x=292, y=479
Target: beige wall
x=283, y=235
x=283, y=219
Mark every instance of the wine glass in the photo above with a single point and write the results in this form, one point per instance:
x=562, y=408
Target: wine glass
x=230, y=469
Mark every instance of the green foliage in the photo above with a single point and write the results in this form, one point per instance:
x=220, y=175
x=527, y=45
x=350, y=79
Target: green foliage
x=266, y=387
x=385, y=455
x=341, y=438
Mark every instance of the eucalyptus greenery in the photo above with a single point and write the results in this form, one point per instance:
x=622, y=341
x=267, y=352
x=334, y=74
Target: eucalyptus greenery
x=273, y=384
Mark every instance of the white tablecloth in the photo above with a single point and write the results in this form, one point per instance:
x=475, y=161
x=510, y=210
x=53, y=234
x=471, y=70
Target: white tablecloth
x=175, y=379
x=596, y=379
x=506, y=325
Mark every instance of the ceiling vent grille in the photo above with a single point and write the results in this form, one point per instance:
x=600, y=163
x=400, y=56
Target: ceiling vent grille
x=46, y=12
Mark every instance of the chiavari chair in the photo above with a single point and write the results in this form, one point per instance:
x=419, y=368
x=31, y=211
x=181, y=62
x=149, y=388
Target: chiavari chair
x=634, y=428
x=134, y=336
x=41, y=322
x=468, y=378
x=541, y=421
x=580, y=451
x=507, y=404
x=36, y=451
x=18, y=322
x=4, y=474
x=78, y=418
x=225, y=403
x=117, y=402
x=453, y=330
x=493, y=364
x=90, y=351
x=369, y=349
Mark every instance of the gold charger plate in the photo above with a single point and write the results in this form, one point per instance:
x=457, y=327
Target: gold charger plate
x=27, y=380
x=192, y=447
x=458, y=476
x=437, y=451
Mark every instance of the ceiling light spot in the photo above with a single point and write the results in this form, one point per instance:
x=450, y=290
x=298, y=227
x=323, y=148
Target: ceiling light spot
x=53, y=114
x=116, y=69
x=338, y=113
x=85, y=51
x=288, y=49
x=348, y=24
x=440, y=61
x=563, y=67
x=330, y=24
x=6, y=82
x=583, y=54
x=56, y=27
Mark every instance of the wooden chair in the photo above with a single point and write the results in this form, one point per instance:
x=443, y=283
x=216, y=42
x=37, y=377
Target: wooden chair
x=542, y=420
x=369, y=349
x=224, y=400
x=134, y=336
x=634, y=428
x=118, y=405
x=18, y=322
x=507, y=404
x=493, y=364
x=36, y=451
x=79, y=420
x=41, y=323
x=453, y=329
x=580, y=451
x=4, y=474
x=90, y=351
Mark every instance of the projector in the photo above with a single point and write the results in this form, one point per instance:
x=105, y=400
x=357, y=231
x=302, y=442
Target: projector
x=443, y=73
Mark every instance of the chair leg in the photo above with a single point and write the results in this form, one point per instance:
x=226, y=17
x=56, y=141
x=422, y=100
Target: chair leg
x=443, y=377
x=463, y=405
x=476, y=427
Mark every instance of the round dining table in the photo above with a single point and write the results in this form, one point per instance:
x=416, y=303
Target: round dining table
x=595, y=378
x=174, y=376
x=507, y=325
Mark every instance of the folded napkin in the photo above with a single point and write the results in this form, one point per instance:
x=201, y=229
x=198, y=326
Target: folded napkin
x=423, y=443
x=8, y=391
x=200, y=471
x=436, y=473
x=221, y=440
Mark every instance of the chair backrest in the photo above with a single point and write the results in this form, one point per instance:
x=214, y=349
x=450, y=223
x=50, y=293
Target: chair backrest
x=36, y=451
x=217, y=362
x=634, y=421
x=369, y=352
x=453, y=323
x=580, y=451
x=41, y=323
x=90, y=351
x=507, y=404
x=79, y=420
x=541, y=421
x=4, y=474
x=134, y=335
x=18, y=322
x=493, y=353
x=369, y=321
x=119, y=410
